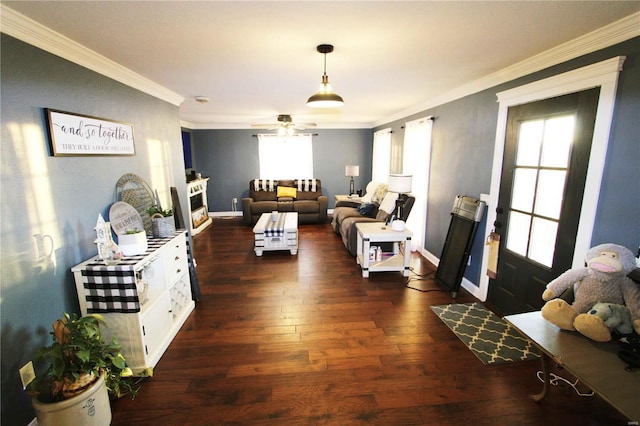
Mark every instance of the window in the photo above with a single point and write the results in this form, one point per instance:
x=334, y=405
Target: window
x=416, y=156
x=380, y=168
x=539, y=180
x=285, y=157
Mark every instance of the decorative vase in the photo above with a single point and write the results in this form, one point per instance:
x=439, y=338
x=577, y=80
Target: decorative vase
x=109, y=251
x=90, y=408
x=133, y=244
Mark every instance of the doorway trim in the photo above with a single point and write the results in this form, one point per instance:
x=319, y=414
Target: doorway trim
x=602, y=74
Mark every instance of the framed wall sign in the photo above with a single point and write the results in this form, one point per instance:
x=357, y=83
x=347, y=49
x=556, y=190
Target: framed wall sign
x=76, y=134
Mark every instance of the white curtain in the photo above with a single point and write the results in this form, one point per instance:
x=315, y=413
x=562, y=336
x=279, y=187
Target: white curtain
x=416, y=159
x=285, y=157
x=381, y=164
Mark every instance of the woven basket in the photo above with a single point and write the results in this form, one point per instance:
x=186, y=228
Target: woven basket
x=162, y=226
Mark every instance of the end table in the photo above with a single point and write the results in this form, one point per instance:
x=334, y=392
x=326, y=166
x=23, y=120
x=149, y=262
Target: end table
x=377, y=232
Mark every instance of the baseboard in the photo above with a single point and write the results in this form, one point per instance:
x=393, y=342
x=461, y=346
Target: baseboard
x=225, y=214
x=473, y=289
x=430, y=257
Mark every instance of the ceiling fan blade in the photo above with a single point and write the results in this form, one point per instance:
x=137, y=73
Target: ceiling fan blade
x=265, y=126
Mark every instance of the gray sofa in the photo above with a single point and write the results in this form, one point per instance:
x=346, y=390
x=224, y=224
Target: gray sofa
x=346, y=215
x=266, y=196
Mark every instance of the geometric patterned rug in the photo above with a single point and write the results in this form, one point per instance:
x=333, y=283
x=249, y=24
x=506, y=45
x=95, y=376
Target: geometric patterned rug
x=491, y=339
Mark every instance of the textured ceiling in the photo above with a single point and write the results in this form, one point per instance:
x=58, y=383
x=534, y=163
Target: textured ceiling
x=257, y=59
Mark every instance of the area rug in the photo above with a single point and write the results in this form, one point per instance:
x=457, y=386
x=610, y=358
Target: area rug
x=491, y=339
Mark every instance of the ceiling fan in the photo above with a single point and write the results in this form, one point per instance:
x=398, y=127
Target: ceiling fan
x=285, y=125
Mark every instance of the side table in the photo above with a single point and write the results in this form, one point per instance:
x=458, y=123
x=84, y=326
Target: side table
x=596, y=364
x=378, y=232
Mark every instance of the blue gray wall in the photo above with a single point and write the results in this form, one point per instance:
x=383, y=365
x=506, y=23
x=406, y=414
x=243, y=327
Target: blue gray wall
x=230, y=159
x=61, y=197
x=462, y=155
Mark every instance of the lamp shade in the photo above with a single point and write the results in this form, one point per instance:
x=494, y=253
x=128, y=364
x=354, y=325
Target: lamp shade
x=400, y=183
x=352, y=170
x=325, y=100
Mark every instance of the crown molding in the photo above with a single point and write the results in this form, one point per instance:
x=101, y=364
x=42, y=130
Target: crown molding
x=229, y=126
x=29, y=31
x=614, y=33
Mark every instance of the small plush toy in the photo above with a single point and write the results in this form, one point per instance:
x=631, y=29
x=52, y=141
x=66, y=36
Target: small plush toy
x=616, y=317
x=603, y=280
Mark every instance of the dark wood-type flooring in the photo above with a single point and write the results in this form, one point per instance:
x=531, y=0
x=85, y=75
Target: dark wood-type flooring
x=305, y=340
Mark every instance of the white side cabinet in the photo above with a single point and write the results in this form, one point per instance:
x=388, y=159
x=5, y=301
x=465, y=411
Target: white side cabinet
x=144, y=322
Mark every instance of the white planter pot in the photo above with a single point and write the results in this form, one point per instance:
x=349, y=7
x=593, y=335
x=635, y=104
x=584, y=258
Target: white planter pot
x=90, y=408
x=133, y=244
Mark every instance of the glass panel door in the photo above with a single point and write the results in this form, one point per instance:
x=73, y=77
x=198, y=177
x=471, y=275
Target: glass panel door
x=539, y=180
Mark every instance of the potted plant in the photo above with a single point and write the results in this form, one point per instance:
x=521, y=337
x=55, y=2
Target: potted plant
x=82, y=372
x=133, y=242
x=162, y=222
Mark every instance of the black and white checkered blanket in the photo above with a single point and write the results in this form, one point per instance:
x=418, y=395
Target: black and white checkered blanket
x=275, y=228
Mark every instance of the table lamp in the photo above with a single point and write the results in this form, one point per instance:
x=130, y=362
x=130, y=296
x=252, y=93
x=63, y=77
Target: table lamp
x=351, y=171
x=402, y=185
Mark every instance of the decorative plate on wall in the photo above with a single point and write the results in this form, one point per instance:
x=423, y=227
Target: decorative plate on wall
x=124, y=217
x=132, y=189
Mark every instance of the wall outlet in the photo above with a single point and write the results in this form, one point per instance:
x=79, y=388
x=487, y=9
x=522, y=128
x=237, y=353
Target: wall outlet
x=27, y=374
x=469, y=261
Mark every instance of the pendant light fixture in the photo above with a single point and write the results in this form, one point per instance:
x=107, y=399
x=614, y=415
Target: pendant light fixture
x=325, y=98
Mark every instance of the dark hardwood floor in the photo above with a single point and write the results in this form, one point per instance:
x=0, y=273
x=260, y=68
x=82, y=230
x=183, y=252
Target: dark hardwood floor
x=305, y=340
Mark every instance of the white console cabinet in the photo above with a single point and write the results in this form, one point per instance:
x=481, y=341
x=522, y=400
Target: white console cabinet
x=144, y=325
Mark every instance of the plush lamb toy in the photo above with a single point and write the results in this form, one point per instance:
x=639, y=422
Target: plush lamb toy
x=616, y=317
x=604, y=280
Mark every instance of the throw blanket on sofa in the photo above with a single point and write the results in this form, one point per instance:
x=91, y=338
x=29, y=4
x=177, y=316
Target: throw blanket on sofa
x=307, y=185
x=264, y=185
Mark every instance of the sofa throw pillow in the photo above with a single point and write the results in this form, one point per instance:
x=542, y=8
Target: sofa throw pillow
x=381, y=192
x=368, y=209
x=389, y=202
x=285, y=191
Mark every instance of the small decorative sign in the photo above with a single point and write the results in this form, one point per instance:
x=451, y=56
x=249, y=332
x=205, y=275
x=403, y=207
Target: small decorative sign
x=76, y=134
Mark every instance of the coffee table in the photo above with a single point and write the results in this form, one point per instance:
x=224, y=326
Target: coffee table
x=370, y=233
x=281, y=234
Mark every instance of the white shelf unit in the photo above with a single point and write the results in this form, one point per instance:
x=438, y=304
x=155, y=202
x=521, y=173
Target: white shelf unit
x=145, y=335
x=198, y=206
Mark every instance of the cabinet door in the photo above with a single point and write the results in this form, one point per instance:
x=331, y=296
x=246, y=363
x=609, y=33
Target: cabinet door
x=156, y=324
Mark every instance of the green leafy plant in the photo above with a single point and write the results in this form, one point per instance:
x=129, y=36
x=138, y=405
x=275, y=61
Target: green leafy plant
x=79, y=354
x=155, y=209
x=133, y=231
